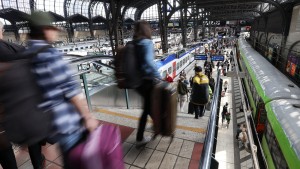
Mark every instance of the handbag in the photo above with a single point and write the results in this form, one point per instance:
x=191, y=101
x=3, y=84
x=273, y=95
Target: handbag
x=101, y=150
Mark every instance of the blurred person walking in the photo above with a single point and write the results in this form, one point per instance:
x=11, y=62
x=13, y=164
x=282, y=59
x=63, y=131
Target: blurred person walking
x=200, y=92
x=62, y=93
x=7, y=157
x=142, y=38
x=224, y=112
x=225, y=86
x=182, y=90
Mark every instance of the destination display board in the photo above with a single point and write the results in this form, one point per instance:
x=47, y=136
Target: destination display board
x=200, y=56
x=217, y=58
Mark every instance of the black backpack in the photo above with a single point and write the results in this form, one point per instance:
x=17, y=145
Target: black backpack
x=127, y=67
x=20, y=117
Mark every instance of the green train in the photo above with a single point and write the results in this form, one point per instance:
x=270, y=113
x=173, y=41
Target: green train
x=275, y=105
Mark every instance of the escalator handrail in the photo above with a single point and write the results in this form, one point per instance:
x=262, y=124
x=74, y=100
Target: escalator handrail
x=207, y=151
x=89, y=58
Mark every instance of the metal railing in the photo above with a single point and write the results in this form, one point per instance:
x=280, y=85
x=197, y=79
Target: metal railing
x=82, y=73
x=248, y=118
x=208, y=160
x=255, y=146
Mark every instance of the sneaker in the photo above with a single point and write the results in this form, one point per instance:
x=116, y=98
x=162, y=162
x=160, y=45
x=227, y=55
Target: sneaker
x=143, y=142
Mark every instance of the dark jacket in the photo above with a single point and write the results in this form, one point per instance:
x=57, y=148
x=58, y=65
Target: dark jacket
x=182, y=88
x=8, y=50
x=200, y=89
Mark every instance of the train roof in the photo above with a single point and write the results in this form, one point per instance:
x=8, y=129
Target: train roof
x=270, y=82
x=287, y=113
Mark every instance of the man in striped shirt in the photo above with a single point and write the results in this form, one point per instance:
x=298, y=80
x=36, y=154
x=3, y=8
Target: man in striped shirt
x=62, y=93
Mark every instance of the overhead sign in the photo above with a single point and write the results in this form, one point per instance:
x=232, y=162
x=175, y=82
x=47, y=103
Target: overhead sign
x=217, y=58
x=200, y=57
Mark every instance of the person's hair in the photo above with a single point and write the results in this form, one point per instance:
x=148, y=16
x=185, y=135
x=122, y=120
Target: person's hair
x=142, y=30
x=36, y=32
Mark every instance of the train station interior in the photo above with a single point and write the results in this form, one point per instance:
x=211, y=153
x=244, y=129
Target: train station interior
x=250, y=49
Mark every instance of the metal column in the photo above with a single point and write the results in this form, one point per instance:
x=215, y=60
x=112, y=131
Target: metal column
x=163, y=23
x=69, y=25
x=115, y=23
x=183, y=18
x=196, y=18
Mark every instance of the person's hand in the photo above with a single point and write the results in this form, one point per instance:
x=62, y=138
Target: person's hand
x=91, y=123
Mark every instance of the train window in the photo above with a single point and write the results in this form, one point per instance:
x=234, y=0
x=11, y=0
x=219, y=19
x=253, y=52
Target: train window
x=272, y=143
x=164, y=74
x=262, y=115
x=60, y=50
x=86, y=47
x=81, y=47
x=76, y=48
x=66, y=50
x=257, y=98
x=180, y=63
x=170, y=70
x=71, y=49
x=177, y=65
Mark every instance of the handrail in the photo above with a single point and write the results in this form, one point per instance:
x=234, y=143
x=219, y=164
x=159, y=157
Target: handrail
x=209, y=143
x=249, y=130
x=94, y=57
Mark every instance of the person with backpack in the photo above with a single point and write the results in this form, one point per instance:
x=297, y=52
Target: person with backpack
x=7, y=158
x=224, y=112
x=150, y=75
x=238, y=131
x=62, y=94
x=200, y=92
x=182, y=91
x=225, y=86
x=228, y=117
x=212, y=84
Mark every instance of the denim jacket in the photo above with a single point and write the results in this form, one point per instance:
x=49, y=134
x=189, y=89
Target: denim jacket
x=145, y=52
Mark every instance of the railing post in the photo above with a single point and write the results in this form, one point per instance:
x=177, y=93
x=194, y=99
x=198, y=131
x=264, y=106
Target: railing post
x=214, y=163
x=127, y=98
x=86, y=91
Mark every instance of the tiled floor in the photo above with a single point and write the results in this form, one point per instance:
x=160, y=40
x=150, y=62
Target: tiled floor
x=160, y=153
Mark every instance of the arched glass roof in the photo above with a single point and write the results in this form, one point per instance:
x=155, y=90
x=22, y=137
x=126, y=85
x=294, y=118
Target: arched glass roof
x=47, y=5
x=130, y=13
x=22, y=5
x=151, y=14
x=99, y=10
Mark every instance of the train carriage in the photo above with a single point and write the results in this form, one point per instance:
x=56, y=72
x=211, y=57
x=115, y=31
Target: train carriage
x=274, y=101
x=263, y=83
x=281, y=140
x=174, y=63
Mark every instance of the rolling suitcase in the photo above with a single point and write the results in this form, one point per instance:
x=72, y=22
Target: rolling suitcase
x=164, y=109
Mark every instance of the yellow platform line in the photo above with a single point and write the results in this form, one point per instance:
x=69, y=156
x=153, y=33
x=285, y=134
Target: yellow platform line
x=194, y=129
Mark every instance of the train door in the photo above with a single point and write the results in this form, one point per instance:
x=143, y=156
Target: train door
x=261, y=118
x=174, y=69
